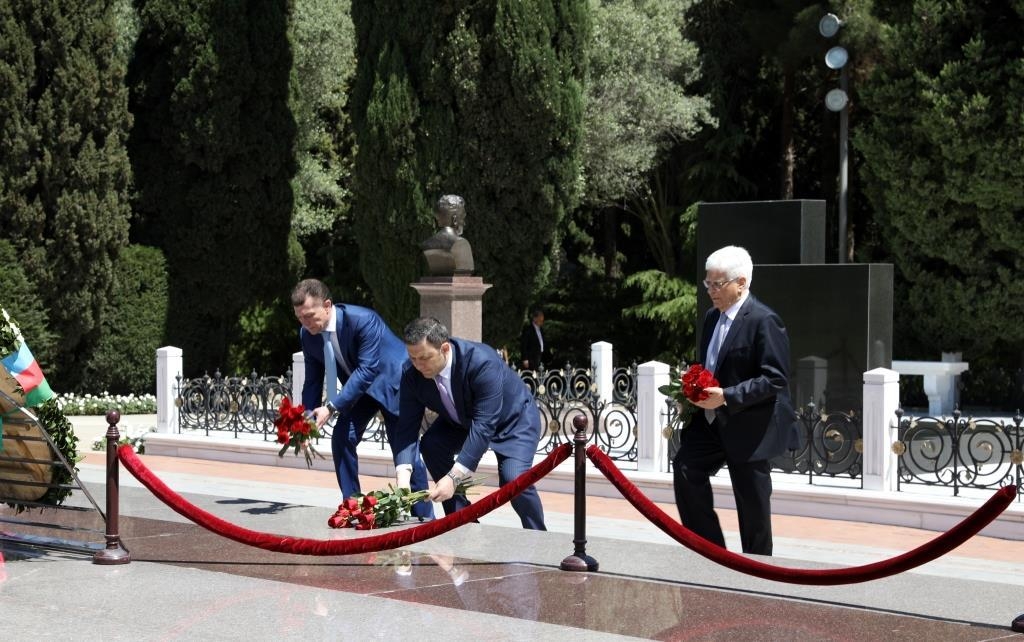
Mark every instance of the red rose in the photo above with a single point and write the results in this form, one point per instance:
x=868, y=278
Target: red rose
x=339, y=519
x=351, y=504
x=365, y=521
x=696, y=380
x=369, y=502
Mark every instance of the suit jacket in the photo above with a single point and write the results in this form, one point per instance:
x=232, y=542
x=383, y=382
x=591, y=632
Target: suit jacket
x=529, y=347
x=495, y=407
x=758, y=421
x=373, y=352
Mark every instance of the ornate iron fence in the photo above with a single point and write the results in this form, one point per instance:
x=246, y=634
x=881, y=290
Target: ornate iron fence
x=564, y=393
x=831, y=445
x=231, y=404
x=960, y=452
x=248, y=405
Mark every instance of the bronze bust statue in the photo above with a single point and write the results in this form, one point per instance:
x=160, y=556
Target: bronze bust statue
x=447, y=253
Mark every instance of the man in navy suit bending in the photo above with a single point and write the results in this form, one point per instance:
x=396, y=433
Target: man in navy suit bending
x=480, y=403
x=746, y=421
x=351, y=345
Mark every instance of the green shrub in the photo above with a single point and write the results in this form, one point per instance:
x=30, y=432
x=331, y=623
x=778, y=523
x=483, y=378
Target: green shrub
x=134, y=317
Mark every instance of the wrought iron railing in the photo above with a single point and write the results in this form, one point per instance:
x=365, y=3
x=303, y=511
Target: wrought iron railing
x=562, y=394
x=960, y=452
x=831, y=445
x=248, y=405
x=240, y=405
x=956, y=452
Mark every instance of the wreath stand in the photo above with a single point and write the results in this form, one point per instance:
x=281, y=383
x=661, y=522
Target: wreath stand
x=28, y=458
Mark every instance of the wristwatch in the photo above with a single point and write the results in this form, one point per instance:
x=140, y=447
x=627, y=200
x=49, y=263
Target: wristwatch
x=331, y=408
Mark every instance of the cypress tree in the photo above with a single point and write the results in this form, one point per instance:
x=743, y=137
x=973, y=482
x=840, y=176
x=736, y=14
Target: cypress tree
x=943, y=169
x=481, y=99
x=64, y=170
x=212, y=149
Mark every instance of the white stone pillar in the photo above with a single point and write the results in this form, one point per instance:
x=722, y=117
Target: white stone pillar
x=602, y=367
x=169, y=365
x=298, y=375
x=881, y=399
x=652, y=446
x=952, y=390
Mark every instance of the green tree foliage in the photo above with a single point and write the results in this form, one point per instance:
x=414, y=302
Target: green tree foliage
x=133, y=325
x=64, y=171
x=483, y=99
x=637, y=105
x=943, y=167
x=669, y=301
x=324, y=49
x=213, y=151
x=21, y=300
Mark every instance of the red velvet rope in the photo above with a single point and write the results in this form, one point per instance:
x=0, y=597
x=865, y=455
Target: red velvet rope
x=349, y=546
x=927, y=552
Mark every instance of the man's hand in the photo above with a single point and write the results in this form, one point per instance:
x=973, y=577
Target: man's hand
x=321, y=415
x=444, y=489
x=716, y=398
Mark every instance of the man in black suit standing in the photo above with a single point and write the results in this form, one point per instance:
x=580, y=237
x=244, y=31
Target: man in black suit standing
x=746, y=421
x=532, y=348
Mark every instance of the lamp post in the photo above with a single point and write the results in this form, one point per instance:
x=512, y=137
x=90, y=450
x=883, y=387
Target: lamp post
x=838, y=100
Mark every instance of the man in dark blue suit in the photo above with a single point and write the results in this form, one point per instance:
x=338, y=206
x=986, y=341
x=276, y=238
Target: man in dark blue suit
x=480, y=403
x=748, y=419
x=351, y=344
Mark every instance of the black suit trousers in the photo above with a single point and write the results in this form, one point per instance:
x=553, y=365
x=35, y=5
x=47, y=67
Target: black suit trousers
x=701, y=455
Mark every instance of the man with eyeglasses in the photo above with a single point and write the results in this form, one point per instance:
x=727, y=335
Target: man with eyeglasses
x=748, y=419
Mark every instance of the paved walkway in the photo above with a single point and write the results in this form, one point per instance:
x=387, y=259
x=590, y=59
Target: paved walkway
x=490, y=580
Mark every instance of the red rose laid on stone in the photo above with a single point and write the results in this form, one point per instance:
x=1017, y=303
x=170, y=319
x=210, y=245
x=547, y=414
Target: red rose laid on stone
x=380, y=508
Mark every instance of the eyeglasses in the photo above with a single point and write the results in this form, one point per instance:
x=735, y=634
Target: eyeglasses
x=717, y=285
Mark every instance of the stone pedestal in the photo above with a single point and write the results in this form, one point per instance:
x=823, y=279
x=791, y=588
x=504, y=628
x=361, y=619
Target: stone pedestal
x=456, y=301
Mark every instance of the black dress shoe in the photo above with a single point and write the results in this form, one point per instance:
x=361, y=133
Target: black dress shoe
x=1018, y=624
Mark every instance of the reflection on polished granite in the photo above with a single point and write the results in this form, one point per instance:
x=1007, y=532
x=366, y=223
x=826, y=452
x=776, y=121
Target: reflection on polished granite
x=479, y=581
x=522, y=592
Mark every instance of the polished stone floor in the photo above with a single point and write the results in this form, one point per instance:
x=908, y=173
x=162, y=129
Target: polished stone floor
x=482, y=581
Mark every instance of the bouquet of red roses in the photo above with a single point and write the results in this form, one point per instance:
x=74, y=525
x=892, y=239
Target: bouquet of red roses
x=687, y=387
x=295, y=430
x=380, y=509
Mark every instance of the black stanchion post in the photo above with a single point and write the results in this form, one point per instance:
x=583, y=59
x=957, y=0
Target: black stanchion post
x=114, y=553
x=579, y=560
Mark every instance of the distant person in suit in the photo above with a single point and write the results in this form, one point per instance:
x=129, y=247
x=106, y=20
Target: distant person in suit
x=351, y=345
x=533, y=348
x=480, y=403
x=746, y=421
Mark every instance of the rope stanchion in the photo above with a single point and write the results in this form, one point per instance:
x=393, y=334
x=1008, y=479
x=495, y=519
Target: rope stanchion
x=579, y=560
x=927, y=552
x=114, y=553
x=305, y=546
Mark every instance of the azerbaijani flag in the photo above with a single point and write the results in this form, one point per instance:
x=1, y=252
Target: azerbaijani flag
x=25, y=370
